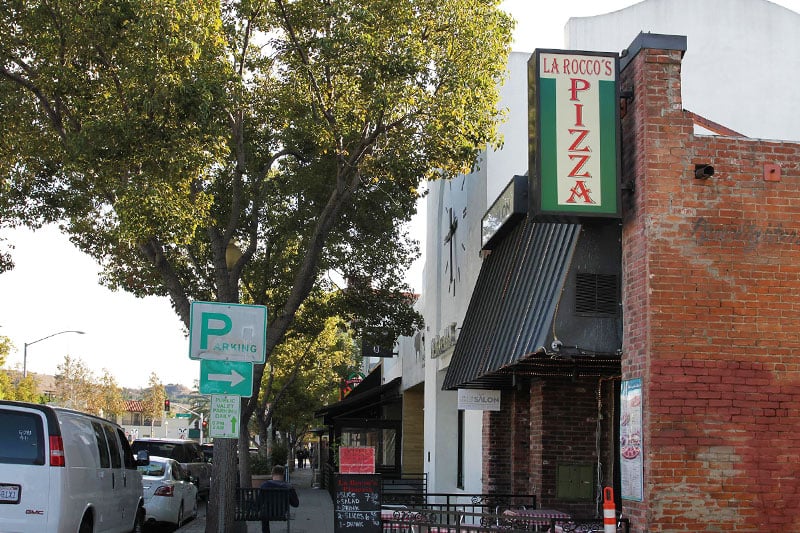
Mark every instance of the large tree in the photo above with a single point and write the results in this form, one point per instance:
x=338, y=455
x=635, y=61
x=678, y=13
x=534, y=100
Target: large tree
x=163, y=133
x=302, y=376
x=153, y=401
x=75, y=385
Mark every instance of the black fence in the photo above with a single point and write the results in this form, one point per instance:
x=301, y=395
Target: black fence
x=427, y=520
x=408, y=489
x=449, y=508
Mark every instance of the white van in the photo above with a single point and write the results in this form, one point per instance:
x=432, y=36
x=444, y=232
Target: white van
x=64, y=471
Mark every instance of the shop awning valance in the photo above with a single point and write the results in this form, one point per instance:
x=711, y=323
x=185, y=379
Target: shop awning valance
x=528, y=288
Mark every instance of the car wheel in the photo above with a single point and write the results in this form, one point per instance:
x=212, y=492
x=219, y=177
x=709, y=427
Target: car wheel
x=180, y=515
x=86, y=524
x=194, y=508
x=138, y=522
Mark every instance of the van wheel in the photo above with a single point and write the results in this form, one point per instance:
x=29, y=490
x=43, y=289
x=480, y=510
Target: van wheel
x=138, y=522
x=86, y=524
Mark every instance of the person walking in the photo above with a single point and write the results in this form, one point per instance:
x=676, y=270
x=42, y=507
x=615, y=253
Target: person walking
x=277, y=482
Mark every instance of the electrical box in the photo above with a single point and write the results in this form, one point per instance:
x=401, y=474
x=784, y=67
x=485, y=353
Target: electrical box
x=575, y=482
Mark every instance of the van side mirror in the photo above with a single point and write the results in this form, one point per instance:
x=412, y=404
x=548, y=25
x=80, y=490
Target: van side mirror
x=142, y=458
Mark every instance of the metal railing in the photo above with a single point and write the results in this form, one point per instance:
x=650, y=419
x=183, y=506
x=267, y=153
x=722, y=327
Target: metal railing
x=425, y=520
x=449, y=508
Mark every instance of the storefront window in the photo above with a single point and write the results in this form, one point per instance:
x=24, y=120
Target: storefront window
x=383, y=440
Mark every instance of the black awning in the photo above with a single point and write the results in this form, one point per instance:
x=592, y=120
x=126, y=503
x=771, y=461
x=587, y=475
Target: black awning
x=513, y=303
x=528, y=281
x=361, y=400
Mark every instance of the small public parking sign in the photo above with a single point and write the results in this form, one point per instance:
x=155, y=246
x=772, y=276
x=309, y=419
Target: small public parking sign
x=228, y=332
x=225, y=416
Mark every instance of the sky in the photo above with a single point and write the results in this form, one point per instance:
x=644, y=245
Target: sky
x=54, y=287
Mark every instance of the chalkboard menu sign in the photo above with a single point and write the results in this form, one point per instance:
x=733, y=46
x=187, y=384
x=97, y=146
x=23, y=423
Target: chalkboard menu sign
x=357, y=503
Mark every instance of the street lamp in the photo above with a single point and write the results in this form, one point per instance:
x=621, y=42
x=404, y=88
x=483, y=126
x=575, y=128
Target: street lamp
x=25, y=349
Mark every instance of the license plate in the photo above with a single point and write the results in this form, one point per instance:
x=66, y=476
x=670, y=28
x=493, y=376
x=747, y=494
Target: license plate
x=9, y=493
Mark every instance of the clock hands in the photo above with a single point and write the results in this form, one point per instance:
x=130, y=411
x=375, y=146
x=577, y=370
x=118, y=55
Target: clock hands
x=450, y=239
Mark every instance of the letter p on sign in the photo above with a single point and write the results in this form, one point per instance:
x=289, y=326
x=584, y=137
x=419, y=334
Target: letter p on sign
x=206, y=328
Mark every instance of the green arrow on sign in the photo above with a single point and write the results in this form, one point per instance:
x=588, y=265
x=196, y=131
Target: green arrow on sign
x=226, y=377
x=225, y=411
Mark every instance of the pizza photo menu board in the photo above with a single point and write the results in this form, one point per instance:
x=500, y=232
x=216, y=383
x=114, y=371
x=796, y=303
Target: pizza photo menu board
x=630, y=440
x=357, y=503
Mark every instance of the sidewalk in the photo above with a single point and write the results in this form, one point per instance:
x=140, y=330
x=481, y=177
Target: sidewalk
x=315, y=514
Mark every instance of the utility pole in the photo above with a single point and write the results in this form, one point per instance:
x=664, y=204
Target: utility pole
x=195, y=413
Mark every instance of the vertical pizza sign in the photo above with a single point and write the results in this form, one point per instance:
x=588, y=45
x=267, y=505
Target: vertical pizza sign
x=574, y=135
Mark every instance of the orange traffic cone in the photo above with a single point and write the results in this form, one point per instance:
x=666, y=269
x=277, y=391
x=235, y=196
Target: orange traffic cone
x=609, y=511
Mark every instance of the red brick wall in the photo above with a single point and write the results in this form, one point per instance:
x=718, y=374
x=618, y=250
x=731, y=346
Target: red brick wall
x=711, y=273
x=521, y=442
x=497, y=441
x=550, y=423
x=568, y=436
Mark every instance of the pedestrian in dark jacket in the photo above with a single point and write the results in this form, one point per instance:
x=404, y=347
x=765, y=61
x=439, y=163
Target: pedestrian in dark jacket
x=277, y=482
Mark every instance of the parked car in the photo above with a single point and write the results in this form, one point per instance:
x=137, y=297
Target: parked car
x=169, y=492
x=208, y=452
x=187, y=452
x=64, y=471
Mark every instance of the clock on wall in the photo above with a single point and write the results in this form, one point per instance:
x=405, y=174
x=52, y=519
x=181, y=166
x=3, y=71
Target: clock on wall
x=454, y=215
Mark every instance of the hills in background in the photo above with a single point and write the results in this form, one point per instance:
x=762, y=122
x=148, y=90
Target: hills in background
x=176, y=392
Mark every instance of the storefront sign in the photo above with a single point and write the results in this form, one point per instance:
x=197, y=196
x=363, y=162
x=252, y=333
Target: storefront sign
x=444, y=342
x=356, y=460
x=347, y=385
x=479, y=400
x=574, y=132
x=509, y=207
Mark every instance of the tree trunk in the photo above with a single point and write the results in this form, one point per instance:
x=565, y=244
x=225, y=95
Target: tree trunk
x=223, y=486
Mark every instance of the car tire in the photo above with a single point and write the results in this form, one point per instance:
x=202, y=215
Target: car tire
x=194, y=508
x=138, y=522
x=180, y=515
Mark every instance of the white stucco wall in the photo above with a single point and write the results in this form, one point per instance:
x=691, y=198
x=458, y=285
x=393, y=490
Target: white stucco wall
x=742, y=63
x=446, y=303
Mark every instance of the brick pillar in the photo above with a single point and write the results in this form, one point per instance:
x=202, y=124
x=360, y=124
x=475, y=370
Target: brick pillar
x=498, y=444
x=520, y=459
x=653, y=117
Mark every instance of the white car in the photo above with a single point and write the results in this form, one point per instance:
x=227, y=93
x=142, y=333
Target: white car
x=170, y=495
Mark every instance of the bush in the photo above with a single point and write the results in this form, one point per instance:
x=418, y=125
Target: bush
x=280, y=454
x=259, y=465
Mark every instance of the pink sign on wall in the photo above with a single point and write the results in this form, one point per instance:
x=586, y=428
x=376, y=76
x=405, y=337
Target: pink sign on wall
x=357, y=460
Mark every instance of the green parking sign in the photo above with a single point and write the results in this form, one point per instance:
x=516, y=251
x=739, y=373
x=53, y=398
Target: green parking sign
x=228, y=332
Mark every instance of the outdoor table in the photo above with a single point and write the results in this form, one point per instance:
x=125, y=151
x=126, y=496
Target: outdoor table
x=395, y=516
x=536, y=517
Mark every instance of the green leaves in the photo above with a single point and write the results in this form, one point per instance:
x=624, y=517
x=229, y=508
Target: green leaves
x=159, y=131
